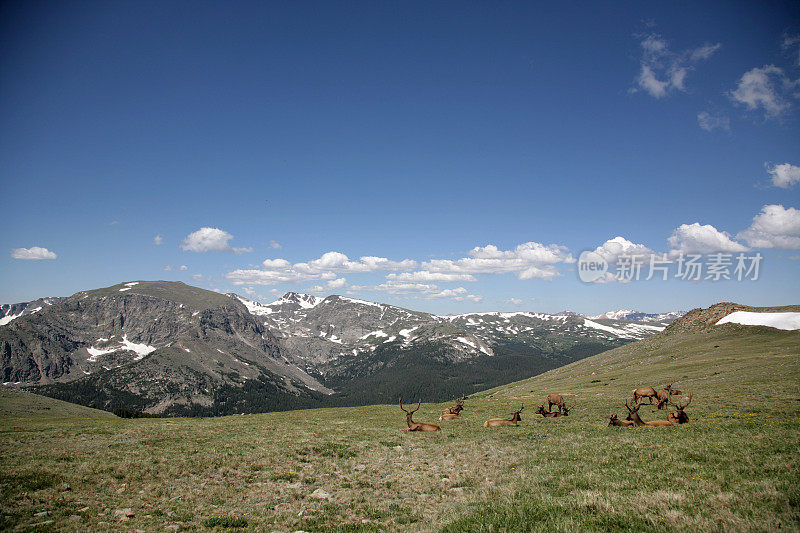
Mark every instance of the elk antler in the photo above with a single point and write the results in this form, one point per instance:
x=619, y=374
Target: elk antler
x=417, y=409
x=681, y=408
x=401, y=404
x=687, y=403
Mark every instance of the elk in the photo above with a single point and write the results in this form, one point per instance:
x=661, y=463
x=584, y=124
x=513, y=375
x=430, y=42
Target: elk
x=569, y=409
x=418, y=426
x=665, y=394
x=453, y=412
x=555, y=399
x=645, y=392
x=679, y=417
x=496, y=422
x=614, y=421
x=633, y=411
x=548, y=414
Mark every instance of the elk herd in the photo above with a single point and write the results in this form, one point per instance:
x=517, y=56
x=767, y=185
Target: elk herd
x=662, y=398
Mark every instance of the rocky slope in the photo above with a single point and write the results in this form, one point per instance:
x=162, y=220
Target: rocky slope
x=147, y=345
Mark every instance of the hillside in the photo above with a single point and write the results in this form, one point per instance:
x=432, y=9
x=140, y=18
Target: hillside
x=15, y=403
x=733, y=467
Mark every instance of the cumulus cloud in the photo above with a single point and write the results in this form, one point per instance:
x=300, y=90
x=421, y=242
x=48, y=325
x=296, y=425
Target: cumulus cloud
x=663, y=71
x=427, y=291
x=514, y=301
x=337, y=283
x=274, y=244
x=767, y=89
x=325, y=267
x=183, y=267
x=168, y=268
x=702, y=239
x=611, y=250
x=775, y=226
x=158, y=240
x=34, y=253
x=197, y=277
x=784, y=175
x=422, y=275
x=710, y=122
x=210, y=239
x=527, y=261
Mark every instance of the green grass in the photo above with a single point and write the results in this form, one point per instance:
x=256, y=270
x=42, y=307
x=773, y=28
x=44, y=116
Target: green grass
x=734, y=467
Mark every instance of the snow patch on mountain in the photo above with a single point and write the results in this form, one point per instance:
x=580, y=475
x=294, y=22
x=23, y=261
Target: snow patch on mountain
x=785, y=321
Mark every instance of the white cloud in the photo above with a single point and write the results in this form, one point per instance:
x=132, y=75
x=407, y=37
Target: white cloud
x=325, y=268
x=158, y=240
x=34, y=253
x=427, y=291
x=210, y=239
x=774, y=227
x=183, y=267
x=528, y=260
x=701, y=239
x=250, y=291
x=613, y=248
x=784, y=175
x=337, y=283
x=710, y=122
x=168, y=268
x=766, y=88
x=197, y=277
x=274, y=244
x=663, y=71
x=514, y=301
x=422, y=275
x=792, y=41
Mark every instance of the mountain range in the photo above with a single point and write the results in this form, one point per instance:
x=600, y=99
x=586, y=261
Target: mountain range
x=174, y=349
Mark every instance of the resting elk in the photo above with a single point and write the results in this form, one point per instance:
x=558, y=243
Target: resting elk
x=665, y=394
x=453, y=412
x=497, y=422
x=639, y=422
x=418, y=426
x=679, y=417
x=645, y=392
x=614, y=421
x=548, y=414
x=555, y=399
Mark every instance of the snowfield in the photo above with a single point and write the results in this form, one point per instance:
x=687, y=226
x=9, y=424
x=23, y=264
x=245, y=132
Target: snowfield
x=787, y=321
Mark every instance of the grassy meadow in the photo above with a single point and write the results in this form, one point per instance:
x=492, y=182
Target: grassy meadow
x=734, y=467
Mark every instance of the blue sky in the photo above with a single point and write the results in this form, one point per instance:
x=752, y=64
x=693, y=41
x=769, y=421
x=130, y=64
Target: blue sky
x=476, y=148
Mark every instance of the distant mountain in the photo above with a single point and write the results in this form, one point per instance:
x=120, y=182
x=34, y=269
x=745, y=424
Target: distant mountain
x=157, y=346
x=9, y=312
x=638, y=316
x=166, y=347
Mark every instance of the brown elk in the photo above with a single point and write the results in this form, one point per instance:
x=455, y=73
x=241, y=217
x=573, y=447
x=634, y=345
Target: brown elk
x=633, y=411
x=665, y=394
x=453, y=412
x=645, y=392
x=417, y=426
x=614, y=421
x=679, y=417
x=513, y=421
x=555, y=399
x=547, y=414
